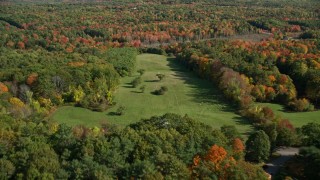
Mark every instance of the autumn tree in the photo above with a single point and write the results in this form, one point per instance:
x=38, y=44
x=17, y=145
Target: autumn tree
x=301, y=105
x=238, y=148
x=31, y=78
x=236, y=87
x=286, y=133
x=3, y=88
x=216, y=155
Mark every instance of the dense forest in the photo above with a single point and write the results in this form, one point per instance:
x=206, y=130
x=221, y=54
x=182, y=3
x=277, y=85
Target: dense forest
x=76, y=53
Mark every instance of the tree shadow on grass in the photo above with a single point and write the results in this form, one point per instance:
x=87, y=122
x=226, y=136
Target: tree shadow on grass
x=151, y=81
x=242, y=121
x=286, y=109
x=113, y=114
x=127, y=85
x=156, y=93
x=203, y=91
x=139, y=92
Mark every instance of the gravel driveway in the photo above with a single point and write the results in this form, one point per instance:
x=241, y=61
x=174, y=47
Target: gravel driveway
x=286, y=154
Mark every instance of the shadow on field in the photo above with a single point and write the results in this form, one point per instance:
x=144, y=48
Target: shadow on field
x=139, y=92
x=204, y=91
x=112, y=114
x=127, y=85
x=242, y=121
x=151, y=81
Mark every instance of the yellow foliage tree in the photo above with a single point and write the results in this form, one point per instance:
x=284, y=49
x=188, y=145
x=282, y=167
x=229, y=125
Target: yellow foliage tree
x=78, y=94
x=16, y=102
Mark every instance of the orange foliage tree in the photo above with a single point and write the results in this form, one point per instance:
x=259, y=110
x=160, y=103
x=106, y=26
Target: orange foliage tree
x=3, y=88
x=216, y=154
x=237, y=145
x=237, y=148
x=20, y=45
x=32, y=78
x=217, y=161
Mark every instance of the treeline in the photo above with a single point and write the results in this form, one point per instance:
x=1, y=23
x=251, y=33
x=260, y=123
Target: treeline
x=312, y=24
x=270, y=3
x=122, y=59
x=273, y=71
x=168, y=146
x=311, y=34
x=11, y=22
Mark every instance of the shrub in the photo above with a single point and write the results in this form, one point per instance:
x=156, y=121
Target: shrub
x=161, y=76
x=136, y=82
x=258, y=114
x=141, y=71
x=120, y=110
x=161, y=91
x=142, y=88
x=94, y=103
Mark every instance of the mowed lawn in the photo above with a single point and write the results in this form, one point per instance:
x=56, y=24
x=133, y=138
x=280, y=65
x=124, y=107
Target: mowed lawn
x=187, y=94
x=298, y=119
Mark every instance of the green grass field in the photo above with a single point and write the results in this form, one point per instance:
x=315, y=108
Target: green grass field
x=187, y=94
x=298, y=119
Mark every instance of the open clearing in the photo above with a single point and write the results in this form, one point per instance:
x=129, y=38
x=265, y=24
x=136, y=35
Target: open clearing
x=187, y=94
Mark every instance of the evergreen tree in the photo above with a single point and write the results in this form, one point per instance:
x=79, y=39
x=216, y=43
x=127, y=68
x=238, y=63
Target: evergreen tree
x=258, y=147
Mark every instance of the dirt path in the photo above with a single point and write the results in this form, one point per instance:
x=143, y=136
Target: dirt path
x=286, y=154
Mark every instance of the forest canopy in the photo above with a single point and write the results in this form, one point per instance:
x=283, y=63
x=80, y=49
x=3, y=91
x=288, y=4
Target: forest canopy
x=77, y=53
